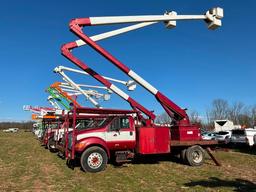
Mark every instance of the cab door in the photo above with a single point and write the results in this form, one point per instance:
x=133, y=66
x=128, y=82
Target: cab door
x=121, y=134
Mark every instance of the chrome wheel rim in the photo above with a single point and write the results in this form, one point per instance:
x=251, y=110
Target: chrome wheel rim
x=197, y=156
x=95, y=160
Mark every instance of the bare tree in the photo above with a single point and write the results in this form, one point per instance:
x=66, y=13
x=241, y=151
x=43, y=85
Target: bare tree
x=21, y=125
x=244, y=120
x=253, y=116
x=235, y=111
x=194, y=117
x=238, y=112
x=163, y=118
x=219, y=110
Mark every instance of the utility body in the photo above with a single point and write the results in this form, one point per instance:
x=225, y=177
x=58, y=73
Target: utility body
x=119, y=136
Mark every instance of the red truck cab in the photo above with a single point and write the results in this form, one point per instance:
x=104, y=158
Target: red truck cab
x=111, y=134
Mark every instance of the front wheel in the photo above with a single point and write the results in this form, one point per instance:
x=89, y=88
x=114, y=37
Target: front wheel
x=195, y=155
x=94, y=159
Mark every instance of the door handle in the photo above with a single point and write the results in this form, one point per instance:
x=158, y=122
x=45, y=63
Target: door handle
x=115, y=135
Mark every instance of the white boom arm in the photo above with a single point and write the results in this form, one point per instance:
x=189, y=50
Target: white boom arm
x=212, y=17
x=131, y=85
x=53, y=102
x=93, y=93
x=79, y=90
x=38, y=110
x=86, y=86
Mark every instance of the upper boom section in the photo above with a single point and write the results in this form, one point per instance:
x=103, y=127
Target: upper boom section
x=130, y=84
x=212, y=17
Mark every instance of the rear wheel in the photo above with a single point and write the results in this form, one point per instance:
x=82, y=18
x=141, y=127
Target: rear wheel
x=195, y=155
x=94, y=159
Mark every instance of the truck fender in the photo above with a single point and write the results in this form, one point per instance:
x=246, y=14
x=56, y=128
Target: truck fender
x=92, y=141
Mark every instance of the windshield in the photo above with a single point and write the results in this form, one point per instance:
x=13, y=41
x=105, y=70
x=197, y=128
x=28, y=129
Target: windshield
x=51, y=125
x=208, y=134
x=91, y=123
x=238, y=132
x=222, y=133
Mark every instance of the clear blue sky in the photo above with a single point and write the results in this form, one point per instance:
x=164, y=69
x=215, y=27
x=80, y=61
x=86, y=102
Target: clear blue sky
x=190, y=64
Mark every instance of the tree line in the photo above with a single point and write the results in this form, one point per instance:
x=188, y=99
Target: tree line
x=28, y=125
x=220, y=109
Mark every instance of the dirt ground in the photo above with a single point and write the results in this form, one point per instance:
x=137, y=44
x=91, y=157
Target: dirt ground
x=27, y=166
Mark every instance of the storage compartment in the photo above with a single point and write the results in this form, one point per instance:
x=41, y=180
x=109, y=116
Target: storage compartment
x=153, y=140
x=185, y=133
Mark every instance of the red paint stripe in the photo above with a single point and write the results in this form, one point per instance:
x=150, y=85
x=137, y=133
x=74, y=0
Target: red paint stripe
x=168, y=105
x=141, y=108
x=66, y=53
x=80, y=21
x=77, y=31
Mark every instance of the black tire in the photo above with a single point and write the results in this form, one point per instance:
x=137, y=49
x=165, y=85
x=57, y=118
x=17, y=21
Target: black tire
x=195, y=155
x=183, y=156
x=92, y=154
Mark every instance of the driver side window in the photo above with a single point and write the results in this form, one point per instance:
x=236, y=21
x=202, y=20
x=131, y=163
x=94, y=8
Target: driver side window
x=119, y=123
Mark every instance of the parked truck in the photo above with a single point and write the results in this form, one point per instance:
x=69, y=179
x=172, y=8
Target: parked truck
x=104, y=134
x=244, y=136
x=118, y=135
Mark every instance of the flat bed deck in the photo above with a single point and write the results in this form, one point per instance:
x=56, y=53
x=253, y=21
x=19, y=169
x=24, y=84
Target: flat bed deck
x=178, y=143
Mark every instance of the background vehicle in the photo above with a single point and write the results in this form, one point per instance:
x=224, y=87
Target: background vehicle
x=223, y=136
x=208, y=136
x=244, y=136
x=11, y=130
x=225, y=125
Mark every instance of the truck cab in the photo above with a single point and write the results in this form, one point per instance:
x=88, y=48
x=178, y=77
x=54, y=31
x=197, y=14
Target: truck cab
x=97, y=139
x=114, y=133
x=98, y=135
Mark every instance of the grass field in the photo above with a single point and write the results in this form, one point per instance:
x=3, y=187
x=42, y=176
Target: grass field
x=27, y=166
